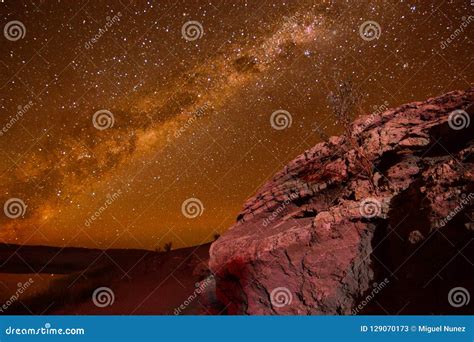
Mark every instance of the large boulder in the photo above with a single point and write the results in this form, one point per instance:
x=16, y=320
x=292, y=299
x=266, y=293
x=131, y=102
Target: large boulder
x=387, y=210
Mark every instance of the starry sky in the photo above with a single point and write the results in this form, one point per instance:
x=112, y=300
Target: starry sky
x=129, y=124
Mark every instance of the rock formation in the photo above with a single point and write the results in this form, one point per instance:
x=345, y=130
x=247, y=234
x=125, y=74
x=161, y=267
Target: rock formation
x=328, y=236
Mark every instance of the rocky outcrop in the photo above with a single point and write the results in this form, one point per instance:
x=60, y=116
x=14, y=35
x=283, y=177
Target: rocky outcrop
x=331, y=235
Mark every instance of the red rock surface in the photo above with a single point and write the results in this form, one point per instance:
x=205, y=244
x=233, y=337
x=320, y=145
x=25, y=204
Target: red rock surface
x=311, y=241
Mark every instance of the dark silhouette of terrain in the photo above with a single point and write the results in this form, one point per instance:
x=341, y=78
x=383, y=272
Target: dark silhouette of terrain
x=64, y=279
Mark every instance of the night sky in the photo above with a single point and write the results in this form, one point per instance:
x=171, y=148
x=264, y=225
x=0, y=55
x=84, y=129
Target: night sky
x=132, y=124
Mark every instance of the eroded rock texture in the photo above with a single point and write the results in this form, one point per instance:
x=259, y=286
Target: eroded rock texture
x=326, y=229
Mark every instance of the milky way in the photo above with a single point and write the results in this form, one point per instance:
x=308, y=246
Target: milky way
x=116, y=115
